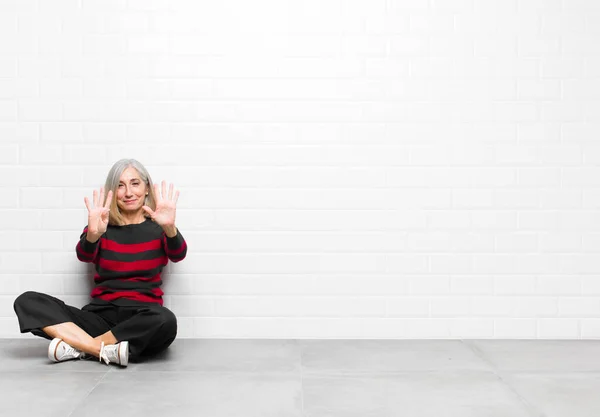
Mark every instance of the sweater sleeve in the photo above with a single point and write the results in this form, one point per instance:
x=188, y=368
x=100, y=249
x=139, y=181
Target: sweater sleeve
x=175, y=247
x=87, y=251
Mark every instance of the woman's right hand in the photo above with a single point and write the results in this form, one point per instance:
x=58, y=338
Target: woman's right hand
x=98, y=214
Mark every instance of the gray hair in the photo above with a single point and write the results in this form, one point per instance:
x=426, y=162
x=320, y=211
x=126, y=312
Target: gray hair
x=112, y=182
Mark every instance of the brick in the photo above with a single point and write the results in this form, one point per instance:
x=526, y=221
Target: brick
x=407, y=307
x=472, y=328
x=61, y=132
x=8, y=111
x=579, y=307
x=559, y=329
x=471, y=285
x=515, y=328
x=42, y=198
x=10, y=199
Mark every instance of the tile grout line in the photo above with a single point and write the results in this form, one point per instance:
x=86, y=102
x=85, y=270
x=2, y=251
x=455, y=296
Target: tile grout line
x=531, y=409
x=301, y=378
x=88, y=393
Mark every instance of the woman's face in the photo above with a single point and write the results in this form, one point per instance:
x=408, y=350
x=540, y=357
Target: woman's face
x=131, y=192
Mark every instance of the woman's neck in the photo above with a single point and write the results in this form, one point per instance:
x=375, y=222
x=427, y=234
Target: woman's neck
x=133, y=218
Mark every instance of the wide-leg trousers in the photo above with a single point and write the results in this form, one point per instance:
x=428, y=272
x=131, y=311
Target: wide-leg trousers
x=148, y=327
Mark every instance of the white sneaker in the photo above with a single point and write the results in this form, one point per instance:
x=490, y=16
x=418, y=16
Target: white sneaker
x=118, y=353
x=59, y=351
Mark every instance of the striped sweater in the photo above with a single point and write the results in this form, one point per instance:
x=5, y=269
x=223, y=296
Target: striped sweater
x=129, y=260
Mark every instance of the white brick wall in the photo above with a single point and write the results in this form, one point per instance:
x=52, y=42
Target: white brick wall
x=348, y=168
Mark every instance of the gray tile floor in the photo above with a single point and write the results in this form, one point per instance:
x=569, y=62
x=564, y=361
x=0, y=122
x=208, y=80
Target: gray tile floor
x=312, y=378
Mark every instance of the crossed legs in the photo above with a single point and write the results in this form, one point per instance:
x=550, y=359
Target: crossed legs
x=143, y=329
x=76, y=337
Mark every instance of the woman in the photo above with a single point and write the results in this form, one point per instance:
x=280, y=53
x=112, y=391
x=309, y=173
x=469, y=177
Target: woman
x=130, y=237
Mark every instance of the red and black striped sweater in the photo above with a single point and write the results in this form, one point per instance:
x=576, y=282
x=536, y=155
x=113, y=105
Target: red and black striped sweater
x=129, y=260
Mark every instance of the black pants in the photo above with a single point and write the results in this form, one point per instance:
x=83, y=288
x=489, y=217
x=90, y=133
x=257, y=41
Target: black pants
x=148, y=327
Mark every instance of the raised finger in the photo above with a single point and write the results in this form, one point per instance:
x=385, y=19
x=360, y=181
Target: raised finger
x=164, y=189
x=95, y=198
x=108, y=199
x=176, y=196
x=171, y=191
x=148, y=210
x=87, y=203
x=157, y=193
x=101, y=199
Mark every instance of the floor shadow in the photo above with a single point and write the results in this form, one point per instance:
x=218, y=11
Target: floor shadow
x=152, y=358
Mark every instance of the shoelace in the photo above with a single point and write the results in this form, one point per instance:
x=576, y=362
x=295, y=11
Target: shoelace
x=71, y=351
x=102, y=356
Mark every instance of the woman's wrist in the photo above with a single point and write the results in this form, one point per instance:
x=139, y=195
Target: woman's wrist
x=170, y=231
x=92, y=238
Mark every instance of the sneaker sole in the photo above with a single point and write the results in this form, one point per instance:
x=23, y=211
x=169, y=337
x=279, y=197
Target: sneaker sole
x=123, y=353
x=53, y=348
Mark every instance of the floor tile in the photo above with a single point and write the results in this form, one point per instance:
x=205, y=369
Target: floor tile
x=540, y=355
x=415, y=394
x=207, y=355
x=44, y=394
x=183, y=394
x=560, y=395
x=387, y=356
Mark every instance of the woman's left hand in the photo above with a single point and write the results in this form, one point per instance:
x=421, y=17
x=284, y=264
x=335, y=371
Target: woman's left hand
x=164, y=214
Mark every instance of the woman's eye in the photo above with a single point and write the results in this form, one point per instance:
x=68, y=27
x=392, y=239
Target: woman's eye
x=121, y=186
